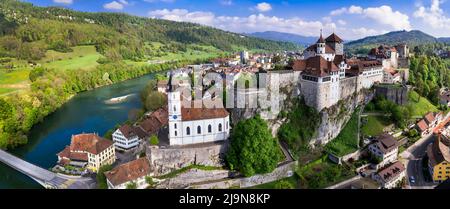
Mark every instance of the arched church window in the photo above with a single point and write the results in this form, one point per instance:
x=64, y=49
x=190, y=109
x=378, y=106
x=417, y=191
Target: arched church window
x=188, y=131
x=209, y=129
x=199, y=130
x=220, y=127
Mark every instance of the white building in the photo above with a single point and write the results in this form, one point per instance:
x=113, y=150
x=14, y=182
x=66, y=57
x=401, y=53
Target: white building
x=133, y=172
x=385, y=149
x=391, y=76
x=195, y=124
x=88, y=150
x=390, y=176
x=125, y=138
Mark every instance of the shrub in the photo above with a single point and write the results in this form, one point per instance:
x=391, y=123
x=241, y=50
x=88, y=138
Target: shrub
x=154, y=140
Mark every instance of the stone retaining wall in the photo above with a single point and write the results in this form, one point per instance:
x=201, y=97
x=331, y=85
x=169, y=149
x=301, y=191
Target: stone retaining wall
x=280, y=172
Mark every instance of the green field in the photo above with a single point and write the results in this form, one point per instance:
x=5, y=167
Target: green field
x=375, y=125
x=347, y=141
x=13, y=81
x=419, y=106
x=14, y=77
x=82, y=57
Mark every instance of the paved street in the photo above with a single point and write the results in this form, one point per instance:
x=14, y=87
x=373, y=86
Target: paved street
x=413, y=160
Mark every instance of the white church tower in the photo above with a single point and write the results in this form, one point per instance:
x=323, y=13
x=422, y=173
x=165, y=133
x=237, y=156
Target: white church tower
x=320, y=45
x=175, y=120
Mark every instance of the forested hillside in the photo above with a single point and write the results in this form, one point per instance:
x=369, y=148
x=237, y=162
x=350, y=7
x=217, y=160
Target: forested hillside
x=48, y=55
x=412, y=38
x=115, y=35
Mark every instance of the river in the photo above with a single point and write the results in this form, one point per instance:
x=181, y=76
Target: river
x=86, y=112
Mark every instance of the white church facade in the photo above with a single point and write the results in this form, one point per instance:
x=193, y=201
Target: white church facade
x=191, y=125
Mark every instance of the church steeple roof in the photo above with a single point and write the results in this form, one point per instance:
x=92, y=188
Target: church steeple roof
x=334, y=38
x=321, y=40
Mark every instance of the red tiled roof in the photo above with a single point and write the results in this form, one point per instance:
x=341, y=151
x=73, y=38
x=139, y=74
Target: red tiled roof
x=67, y=155
x=318, y=66
x=391, y=171
x=357, y=66
x=129, y=171
x=422, y=125
x=127, y=131
x=333, y=38
x=200, y=111
x=91, y=143
x=386, y=143
x=154, y=121
x=429, y=117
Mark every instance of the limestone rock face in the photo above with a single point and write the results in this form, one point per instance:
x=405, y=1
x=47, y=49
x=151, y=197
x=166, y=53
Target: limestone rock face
x=334, y=119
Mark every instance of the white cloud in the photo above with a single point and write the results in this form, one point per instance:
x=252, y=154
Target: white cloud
x=263, y=7
x=355, y=9
x=114, y=5
x=338, y=11
x=226, y=2
x=63, y=1
x=383, y=15
x=260, y=22
x=433, y=16
x=342, y=22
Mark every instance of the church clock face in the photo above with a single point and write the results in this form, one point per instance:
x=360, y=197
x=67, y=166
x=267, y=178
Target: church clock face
x=174, y=117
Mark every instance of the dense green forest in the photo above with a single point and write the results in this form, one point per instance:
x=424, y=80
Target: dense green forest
x=121, y=47
x=428, y=74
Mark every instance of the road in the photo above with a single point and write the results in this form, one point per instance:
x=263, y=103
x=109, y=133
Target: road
x=413, y=160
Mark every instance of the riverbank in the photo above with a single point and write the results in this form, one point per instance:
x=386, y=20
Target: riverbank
x=85, y=112
x=54, y=88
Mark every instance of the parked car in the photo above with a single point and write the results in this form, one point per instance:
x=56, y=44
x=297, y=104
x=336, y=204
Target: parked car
x=412, y=179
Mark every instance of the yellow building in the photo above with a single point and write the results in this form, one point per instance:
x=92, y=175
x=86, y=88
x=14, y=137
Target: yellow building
x=439, y=158
x=88, y=150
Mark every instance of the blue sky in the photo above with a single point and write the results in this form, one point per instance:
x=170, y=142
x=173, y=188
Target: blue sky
x=352, y=19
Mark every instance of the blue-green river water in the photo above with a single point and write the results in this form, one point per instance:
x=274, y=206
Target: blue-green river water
x=86, y=112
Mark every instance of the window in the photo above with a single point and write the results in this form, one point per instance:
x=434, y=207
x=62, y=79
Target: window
x=209, y=129
x=188, y=131
x=175, y=126
x=174, y=108
x=175, y=133
x=199, y=130
x=220, y=127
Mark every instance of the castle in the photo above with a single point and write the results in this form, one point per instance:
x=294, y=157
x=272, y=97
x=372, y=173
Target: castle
x=327, y=76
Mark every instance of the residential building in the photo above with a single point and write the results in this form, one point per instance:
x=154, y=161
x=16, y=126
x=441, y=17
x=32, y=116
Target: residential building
x=132, y=172
x=162, y=86
x=126, y=138
x=391, y=176
x=422, y=127
x=439, y=158
x=391, y=76
x=385, y=149
x=88, y=150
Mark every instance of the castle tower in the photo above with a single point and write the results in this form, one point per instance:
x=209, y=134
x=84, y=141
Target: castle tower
x=336, y=43
x=320, y=44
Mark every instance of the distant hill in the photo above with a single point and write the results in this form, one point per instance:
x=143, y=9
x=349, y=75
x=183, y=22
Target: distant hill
x=412, y=38
x=444, y=40
x=116, y=35
x=286, y=37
